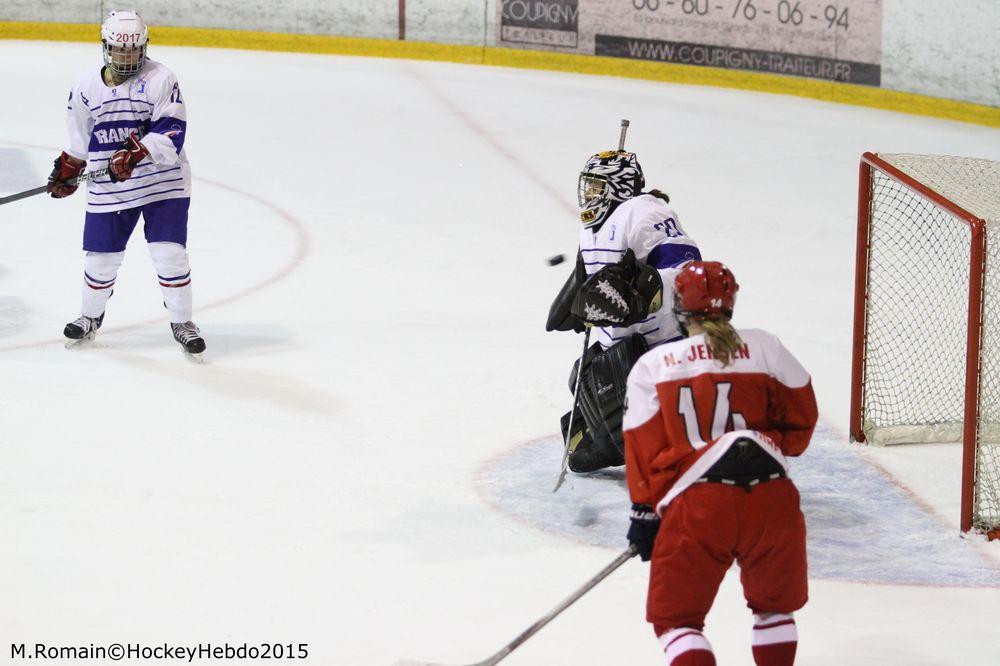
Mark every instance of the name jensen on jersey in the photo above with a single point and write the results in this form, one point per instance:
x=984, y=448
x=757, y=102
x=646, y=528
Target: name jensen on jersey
x=701, y=352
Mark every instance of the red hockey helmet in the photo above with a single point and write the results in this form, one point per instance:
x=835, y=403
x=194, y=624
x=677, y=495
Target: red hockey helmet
x=706, y=290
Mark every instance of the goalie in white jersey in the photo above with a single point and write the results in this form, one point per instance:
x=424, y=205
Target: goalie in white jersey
x=631, y=247
x=129, y=116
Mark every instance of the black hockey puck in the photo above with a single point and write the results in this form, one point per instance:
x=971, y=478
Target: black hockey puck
x=557, y=259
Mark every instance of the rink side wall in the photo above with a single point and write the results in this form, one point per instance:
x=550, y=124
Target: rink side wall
x=934, y=62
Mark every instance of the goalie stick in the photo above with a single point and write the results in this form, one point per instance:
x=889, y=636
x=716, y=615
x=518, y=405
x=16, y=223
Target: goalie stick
x=544, y=620
x=82, y=178
x=572, y=412
x=579, y=368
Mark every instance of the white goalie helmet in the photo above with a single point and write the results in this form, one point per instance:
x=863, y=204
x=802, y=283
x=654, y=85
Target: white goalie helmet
x=124, y=36
x=607, y=179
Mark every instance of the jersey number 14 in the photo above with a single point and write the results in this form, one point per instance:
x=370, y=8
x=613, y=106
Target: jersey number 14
x=721, y=415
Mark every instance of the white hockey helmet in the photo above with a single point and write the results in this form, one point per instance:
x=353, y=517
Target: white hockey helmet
x=607, y=179
x=124, y=36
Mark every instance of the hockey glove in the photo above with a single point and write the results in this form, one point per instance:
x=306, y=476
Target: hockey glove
x=125, y=159
x=65, y=168
x=644, y=523
x=619, y=295
x=560, y=312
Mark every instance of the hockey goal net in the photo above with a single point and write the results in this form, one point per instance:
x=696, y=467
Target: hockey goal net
x=926, y=365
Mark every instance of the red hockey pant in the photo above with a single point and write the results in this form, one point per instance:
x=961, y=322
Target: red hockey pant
x=707, y=527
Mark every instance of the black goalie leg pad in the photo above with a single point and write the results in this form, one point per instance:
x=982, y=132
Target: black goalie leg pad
x=593, y=351
x=602, y=395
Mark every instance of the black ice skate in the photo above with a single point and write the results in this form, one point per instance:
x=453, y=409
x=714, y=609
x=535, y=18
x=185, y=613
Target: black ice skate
x=590, y=456
x=189, y=337
x=83, y=327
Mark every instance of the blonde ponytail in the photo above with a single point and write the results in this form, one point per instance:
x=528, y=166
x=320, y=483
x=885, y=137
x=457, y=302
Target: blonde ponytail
x=723, y=340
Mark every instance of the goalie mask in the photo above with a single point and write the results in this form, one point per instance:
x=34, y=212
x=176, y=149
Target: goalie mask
x=124, y=37
x=704, y=290
x=607, y=179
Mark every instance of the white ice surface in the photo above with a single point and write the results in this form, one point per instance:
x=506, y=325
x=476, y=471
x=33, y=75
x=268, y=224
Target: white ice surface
x=368, y=241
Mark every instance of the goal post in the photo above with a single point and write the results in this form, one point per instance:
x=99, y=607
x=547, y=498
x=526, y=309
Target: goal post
x=926, y=349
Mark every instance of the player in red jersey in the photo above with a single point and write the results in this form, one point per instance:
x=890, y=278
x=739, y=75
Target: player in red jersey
x=708, y=423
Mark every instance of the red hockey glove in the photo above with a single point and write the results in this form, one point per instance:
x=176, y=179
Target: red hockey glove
x=123, y=161
x=65, y=168
x=644, y=524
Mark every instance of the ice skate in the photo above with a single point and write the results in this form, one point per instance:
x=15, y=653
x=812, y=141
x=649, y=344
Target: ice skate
x=589, y=458
x=82, y=329
x=189, y=337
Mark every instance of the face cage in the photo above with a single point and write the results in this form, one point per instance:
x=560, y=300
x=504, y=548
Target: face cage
x=594, y=209
x=584, y=187
x=128, y=69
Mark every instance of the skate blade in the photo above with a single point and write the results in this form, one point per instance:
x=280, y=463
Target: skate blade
x=76, y=344
x=198, y=359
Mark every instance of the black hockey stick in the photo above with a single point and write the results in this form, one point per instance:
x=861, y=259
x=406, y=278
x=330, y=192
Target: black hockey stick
x=579, y=369
x=551, y=615
x=90, y=175
x=572, y=412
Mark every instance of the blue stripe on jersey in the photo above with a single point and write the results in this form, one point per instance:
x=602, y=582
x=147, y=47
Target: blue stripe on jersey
x=120, y=99
x=142, y=187
x=108, y=113
x=668, y=255
x=602, y=249
x=173, y=128
x=151, y=194
x=112, y=134
x=144, y=175
x=601, y=263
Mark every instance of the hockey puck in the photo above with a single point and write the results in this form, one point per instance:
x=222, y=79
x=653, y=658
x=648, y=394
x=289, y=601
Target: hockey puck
x=557, y=259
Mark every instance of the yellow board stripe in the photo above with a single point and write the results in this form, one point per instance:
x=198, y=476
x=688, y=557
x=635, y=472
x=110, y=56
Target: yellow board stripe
x=842, y=93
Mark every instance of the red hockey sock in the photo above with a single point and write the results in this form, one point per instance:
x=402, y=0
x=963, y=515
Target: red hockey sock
x=687, y=647
x=774, y=640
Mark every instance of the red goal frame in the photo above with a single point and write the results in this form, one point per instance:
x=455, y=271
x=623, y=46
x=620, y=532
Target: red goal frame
x=977, y=262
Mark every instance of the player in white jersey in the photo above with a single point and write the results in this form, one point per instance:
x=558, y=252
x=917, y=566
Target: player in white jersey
x=129, y=116
x=631, y=248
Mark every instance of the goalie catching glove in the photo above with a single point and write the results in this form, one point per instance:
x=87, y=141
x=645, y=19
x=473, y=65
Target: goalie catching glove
x=621, y=294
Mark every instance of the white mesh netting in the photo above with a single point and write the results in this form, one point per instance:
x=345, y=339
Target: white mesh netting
x=918, y=309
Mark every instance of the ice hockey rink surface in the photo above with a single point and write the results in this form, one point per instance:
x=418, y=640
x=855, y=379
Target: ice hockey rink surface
x=364, y=461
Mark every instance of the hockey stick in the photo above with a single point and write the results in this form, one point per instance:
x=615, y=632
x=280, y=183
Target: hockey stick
x=621, y=139
x=579, y=370
x=90, y=175
x=551, y=615
x=572, y=412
